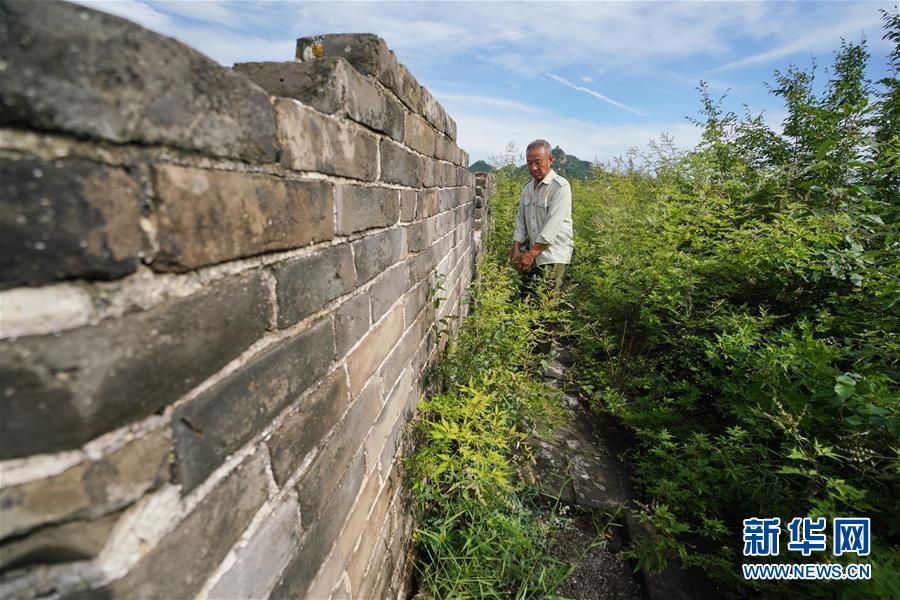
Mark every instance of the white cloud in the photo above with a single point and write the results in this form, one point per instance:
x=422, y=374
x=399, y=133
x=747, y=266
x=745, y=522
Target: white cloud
x=818, y=39
x=213, y=38
x=475, y=101
x=594, y=93
x=139, y=12
x=485, y=135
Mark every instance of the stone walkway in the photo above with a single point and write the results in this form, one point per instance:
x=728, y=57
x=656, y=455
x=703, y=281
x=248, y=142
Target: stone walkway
x=578, y=469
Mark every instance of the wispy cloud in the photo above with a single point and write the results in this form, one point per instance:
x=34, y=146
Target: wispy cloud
x=486, y=101
x=817, y=40
x=594, y=93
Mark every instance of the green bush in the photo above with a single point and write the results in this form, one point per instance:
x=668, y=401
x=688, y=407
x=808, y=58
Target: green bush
x=738, y=309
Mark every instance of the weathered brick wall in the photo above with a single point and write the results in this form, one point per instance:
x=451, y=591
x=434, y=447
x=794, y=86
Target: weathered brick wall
x=216, y=309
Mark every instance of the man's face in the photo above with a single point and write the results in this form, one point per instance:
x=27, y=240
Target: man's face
x=539, y=161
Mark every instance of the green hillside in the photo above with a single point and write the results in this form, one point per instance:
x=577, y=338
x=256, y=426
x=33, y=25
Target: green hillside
x=568, y=165
x=481, y=167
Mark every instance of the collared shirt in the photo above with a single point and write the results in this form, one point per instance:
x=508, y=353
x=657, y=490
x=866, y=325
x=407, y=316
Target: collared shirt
x=544, y=216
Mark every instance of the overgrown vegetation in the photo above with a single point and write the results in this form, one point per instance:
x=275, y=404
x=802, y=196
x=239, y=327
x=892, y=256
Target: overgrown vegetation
x=740, y=313
x=478, y=535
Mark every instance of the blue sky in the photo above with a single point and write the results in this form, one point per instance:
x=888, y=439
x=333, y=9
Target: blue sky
x=595, y=78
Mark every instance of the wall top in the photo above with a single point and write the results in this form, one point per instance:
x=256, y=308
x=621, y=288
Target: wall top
x=80, y=71
x=370, y=55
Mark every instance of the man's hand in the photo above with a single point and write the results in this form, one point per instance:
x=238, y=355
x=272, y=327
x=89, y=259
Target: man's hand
x=527, y=260
x=516, y=257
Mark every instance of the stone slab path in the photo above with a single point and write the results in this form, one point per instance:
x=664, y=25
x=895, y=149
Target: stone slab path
x=578, y=468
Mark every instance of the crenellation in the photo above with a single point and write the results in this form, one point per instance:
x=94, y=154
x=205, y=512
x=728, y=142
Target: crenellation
x=216, y=322
x=331, y=85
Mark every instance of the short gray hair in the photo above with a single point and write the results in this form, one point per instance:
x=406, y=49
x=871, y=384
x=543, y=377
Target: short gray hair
x=538, y=144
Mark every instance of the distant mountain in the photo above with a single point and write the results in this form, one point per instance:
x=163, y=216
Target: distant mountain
x=481, y=167
x=567, y=165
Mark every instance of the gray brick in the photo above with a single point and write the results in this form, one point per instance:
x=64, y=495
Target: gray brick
x=65, y=219
x=463, y=177
x=395, y=408
x=377, y=344
x=317, y=543
x=124, y=84
x=62, y=391
x=360, y=208
x=329, y=469
x=420, y=235
x=402, y=353
x=374, y=254
x=399, y=165
x=449, y=198
x=307, y=425
x=318, y=84
x=259, y=563
x=436, y=115
x=399, y=80
x=88, y=488
x=444, y=148
x=305, y=284
x=445, y=223
x=205, y=217
x=388, y=289
x=417, y=299
x=421, y=264
x=429, y=178
x=58, y=543
x=394, y=441
x=407, y=205
x=312, y=141
x=367, y=52
x=358, y=517
x=333, y=86
x=368, y=552
x=429, y=204
x=419, y=135
x=351, y=322
x=225, y=417
x=177, y=566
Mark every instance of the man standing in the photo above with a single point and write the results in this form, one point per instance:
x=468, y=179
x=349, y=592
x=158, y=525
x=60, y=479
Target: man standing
x=543, y=220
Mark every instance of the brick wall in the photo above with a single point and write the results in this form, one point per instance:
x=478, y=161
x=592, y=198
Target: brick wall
x=217, y=307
